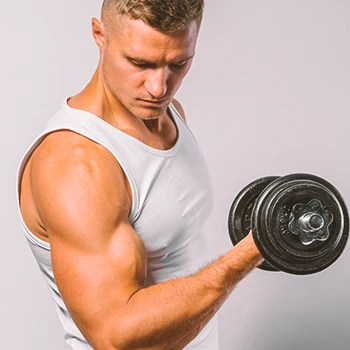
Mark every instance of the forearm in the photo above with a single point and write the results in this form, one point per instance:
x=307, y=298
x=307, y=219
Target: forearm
x=179, y=308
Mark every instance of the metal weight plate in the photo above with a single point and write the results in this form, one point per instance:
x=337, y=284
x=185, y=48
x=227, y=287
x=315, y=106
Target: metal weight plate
x=239, y=221
x=300, y=224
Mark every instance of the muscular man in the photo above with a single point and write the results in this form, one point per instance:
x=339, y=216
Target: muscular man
x=114, y=192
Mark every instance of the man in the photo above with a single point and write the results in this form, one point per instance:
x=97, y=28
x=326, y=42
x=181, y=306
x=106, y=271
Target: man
x=114, y=194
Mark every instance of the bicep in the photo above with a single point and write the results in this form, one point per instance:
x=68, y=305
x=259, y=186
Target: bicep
x=97, y=282
x=98, y=259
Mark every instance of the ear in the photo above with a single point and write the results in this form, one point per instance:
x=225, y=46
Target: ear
x=98, y=32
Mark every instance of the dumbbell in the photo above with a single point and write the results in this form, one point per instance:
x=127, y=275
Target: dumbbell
x=300, y=222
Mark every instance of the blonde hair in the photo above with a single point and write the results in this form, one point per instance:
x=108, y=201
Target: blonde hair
x=167, y=16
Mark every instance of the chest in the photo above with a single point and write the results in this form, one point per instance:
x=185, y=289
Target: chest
x=174, y=201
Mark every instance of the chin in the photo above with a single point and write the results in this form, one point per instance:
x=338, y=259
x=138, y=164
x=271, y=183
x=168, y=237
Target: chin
x=149, y=113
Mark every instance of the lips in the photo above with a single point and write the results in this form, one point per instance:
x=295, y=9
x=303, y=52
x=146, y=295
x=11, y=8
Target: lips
x=154, y=102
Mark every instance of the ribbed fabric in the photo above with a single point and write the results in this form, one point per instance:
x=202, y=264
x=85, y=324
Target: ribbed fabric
x=171, y=200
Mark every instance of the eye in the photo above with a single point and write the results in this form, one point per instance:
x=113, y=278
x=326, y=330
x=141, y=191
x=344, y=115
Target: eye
x=178, y=65
x=141, y=65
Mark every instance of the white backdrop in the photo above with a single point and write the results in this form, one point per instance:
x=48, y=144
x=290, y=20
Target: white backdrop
x=268, y=94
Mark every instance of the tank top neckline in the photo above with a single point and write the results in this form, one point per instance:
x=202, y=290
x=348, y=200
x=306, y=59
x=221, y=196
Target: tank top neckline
x=163, y=153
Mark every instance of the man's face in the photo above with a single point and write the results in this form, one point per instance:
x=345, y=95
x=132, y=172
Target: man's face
x=144, y=68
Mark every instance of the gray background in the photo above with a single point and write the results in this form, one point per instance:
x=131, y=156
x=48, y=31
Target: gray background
x=268, y=95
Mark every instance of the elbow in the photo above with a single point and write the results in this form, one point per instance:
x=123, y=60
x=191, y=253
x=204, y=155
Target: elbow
x=125, y=345
x=115, y=341
x=107, y=337
x=123, y=337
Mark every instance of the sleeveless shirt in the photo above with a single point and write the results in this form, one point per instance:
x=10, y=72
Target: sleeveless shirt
x=171, y=200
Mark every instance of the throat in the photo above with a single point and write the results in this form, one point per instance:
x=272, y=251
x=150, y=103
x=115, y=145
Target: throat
x=162, y=132
x=153, y=125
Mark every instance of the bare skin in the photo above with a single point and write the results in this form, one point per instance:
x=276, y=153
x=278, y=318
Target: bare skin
x=75, y=196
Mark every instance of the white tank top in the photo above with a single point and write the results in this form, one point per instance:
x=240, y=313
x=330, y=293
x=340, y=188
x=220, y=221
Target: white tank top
x=171, y=200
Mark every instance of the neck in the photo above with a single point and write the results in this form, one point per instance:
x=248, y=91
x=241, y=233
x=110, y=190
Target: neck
x=97, y=99
x=153, y=125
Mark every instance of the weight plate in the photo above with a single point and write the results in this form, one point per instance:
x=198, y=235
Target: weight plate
x=300, y=224
x=239, y=222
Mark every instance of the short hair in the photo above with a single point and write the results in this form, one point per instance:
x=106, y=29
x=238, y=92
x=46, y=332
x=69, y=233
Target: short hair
x=166, y=16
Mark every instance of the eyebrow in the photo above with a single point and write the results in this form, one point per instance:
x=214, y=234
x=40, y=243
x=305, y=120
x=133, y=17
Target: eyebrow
x=143, y=61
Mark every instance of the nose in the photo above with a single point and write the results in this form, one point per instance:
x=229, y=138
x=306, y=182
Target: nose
x=156, y=82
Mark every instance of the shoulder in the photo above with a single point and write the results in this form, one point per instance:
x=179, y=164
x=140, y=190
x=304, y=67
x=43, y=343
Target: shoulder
x=64, y=149
x=179, y=108
x=77, y=173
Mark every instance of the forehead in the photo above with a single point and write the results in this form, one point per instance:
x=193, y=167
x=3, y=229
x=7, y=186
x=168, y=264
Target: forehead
x=135, y=38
